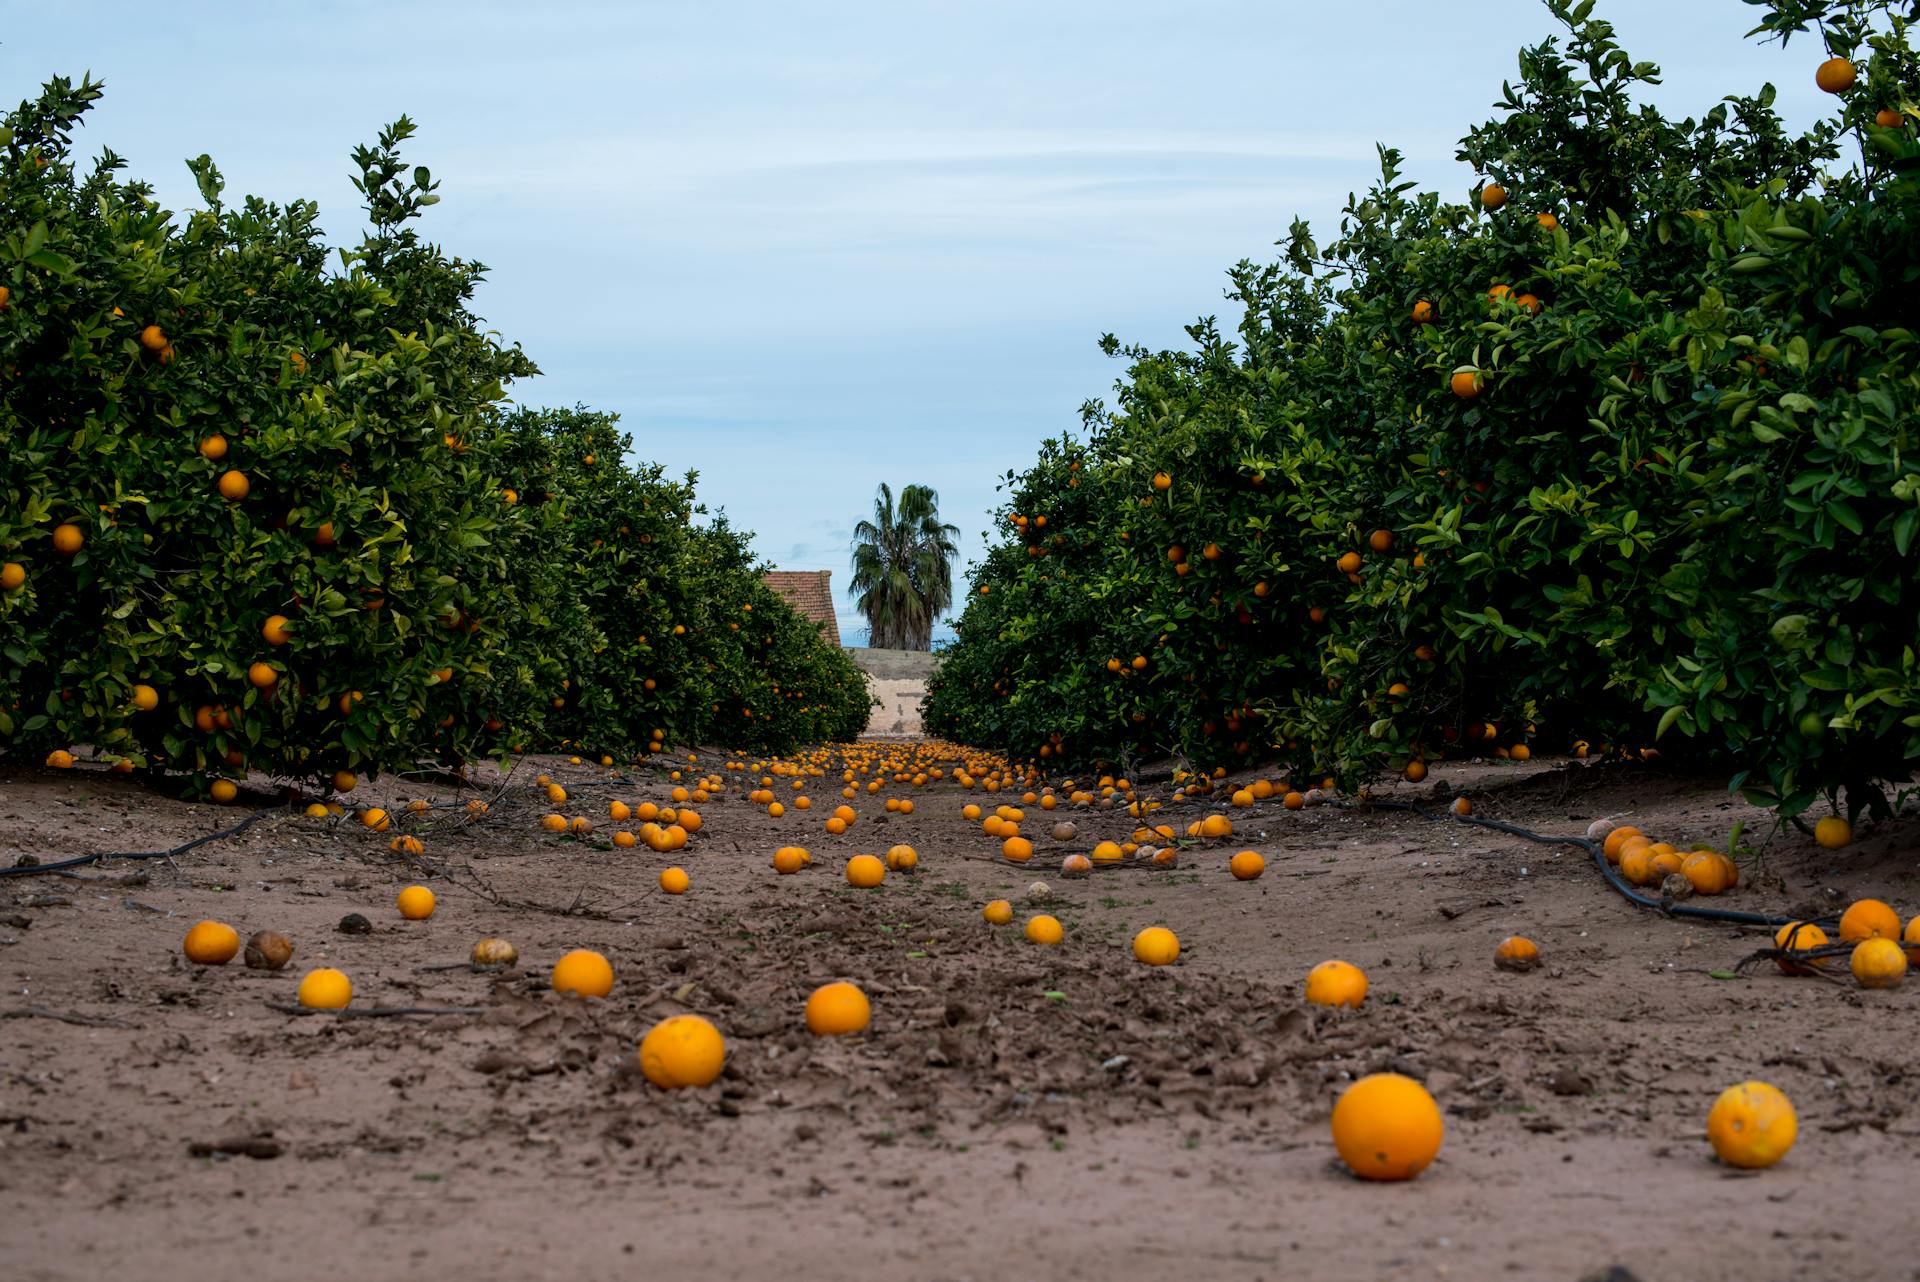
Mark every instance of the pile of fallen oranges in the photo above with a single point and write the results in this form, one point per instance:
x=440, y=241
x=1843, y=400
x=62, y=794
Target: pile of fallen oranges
x=1385, y=1126
x=1881, y=951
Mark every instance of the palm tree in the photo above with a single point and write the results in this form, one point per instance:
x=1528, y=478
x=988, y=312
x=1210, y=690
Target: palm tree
x=903, y=568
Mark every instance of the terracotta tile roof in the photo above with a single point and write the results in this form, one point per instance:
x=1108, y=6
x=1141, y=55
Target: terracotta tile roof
x=810, y=592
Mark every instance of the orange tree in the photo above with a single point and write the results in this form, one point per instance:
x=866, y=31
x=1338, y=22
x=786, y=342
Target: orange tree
x=1616, y=451
x=255, y=514
x=655, y=628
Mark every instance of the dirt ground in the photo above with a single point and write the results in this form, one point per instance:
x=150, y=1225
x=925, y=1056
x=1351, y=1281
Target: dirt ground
x=1014, y=1112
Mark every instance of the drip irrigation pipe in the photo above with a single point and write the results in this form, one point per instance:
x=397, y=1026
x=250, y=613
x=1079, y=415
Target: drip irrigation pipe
x=80, y=861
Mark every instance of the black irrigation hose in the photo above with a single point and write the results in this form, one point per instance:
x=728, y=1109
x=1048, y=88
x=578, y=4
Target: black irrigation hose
x=1664, y=906
x=79, y=861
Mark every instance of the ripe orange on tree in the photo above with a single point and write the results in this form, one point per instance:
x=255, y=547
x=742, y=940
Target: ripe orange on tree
x=1835, y=75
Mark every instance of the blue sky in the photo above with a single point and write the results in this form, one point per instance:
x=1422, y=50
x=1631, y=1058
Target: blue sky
x=808, y=248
